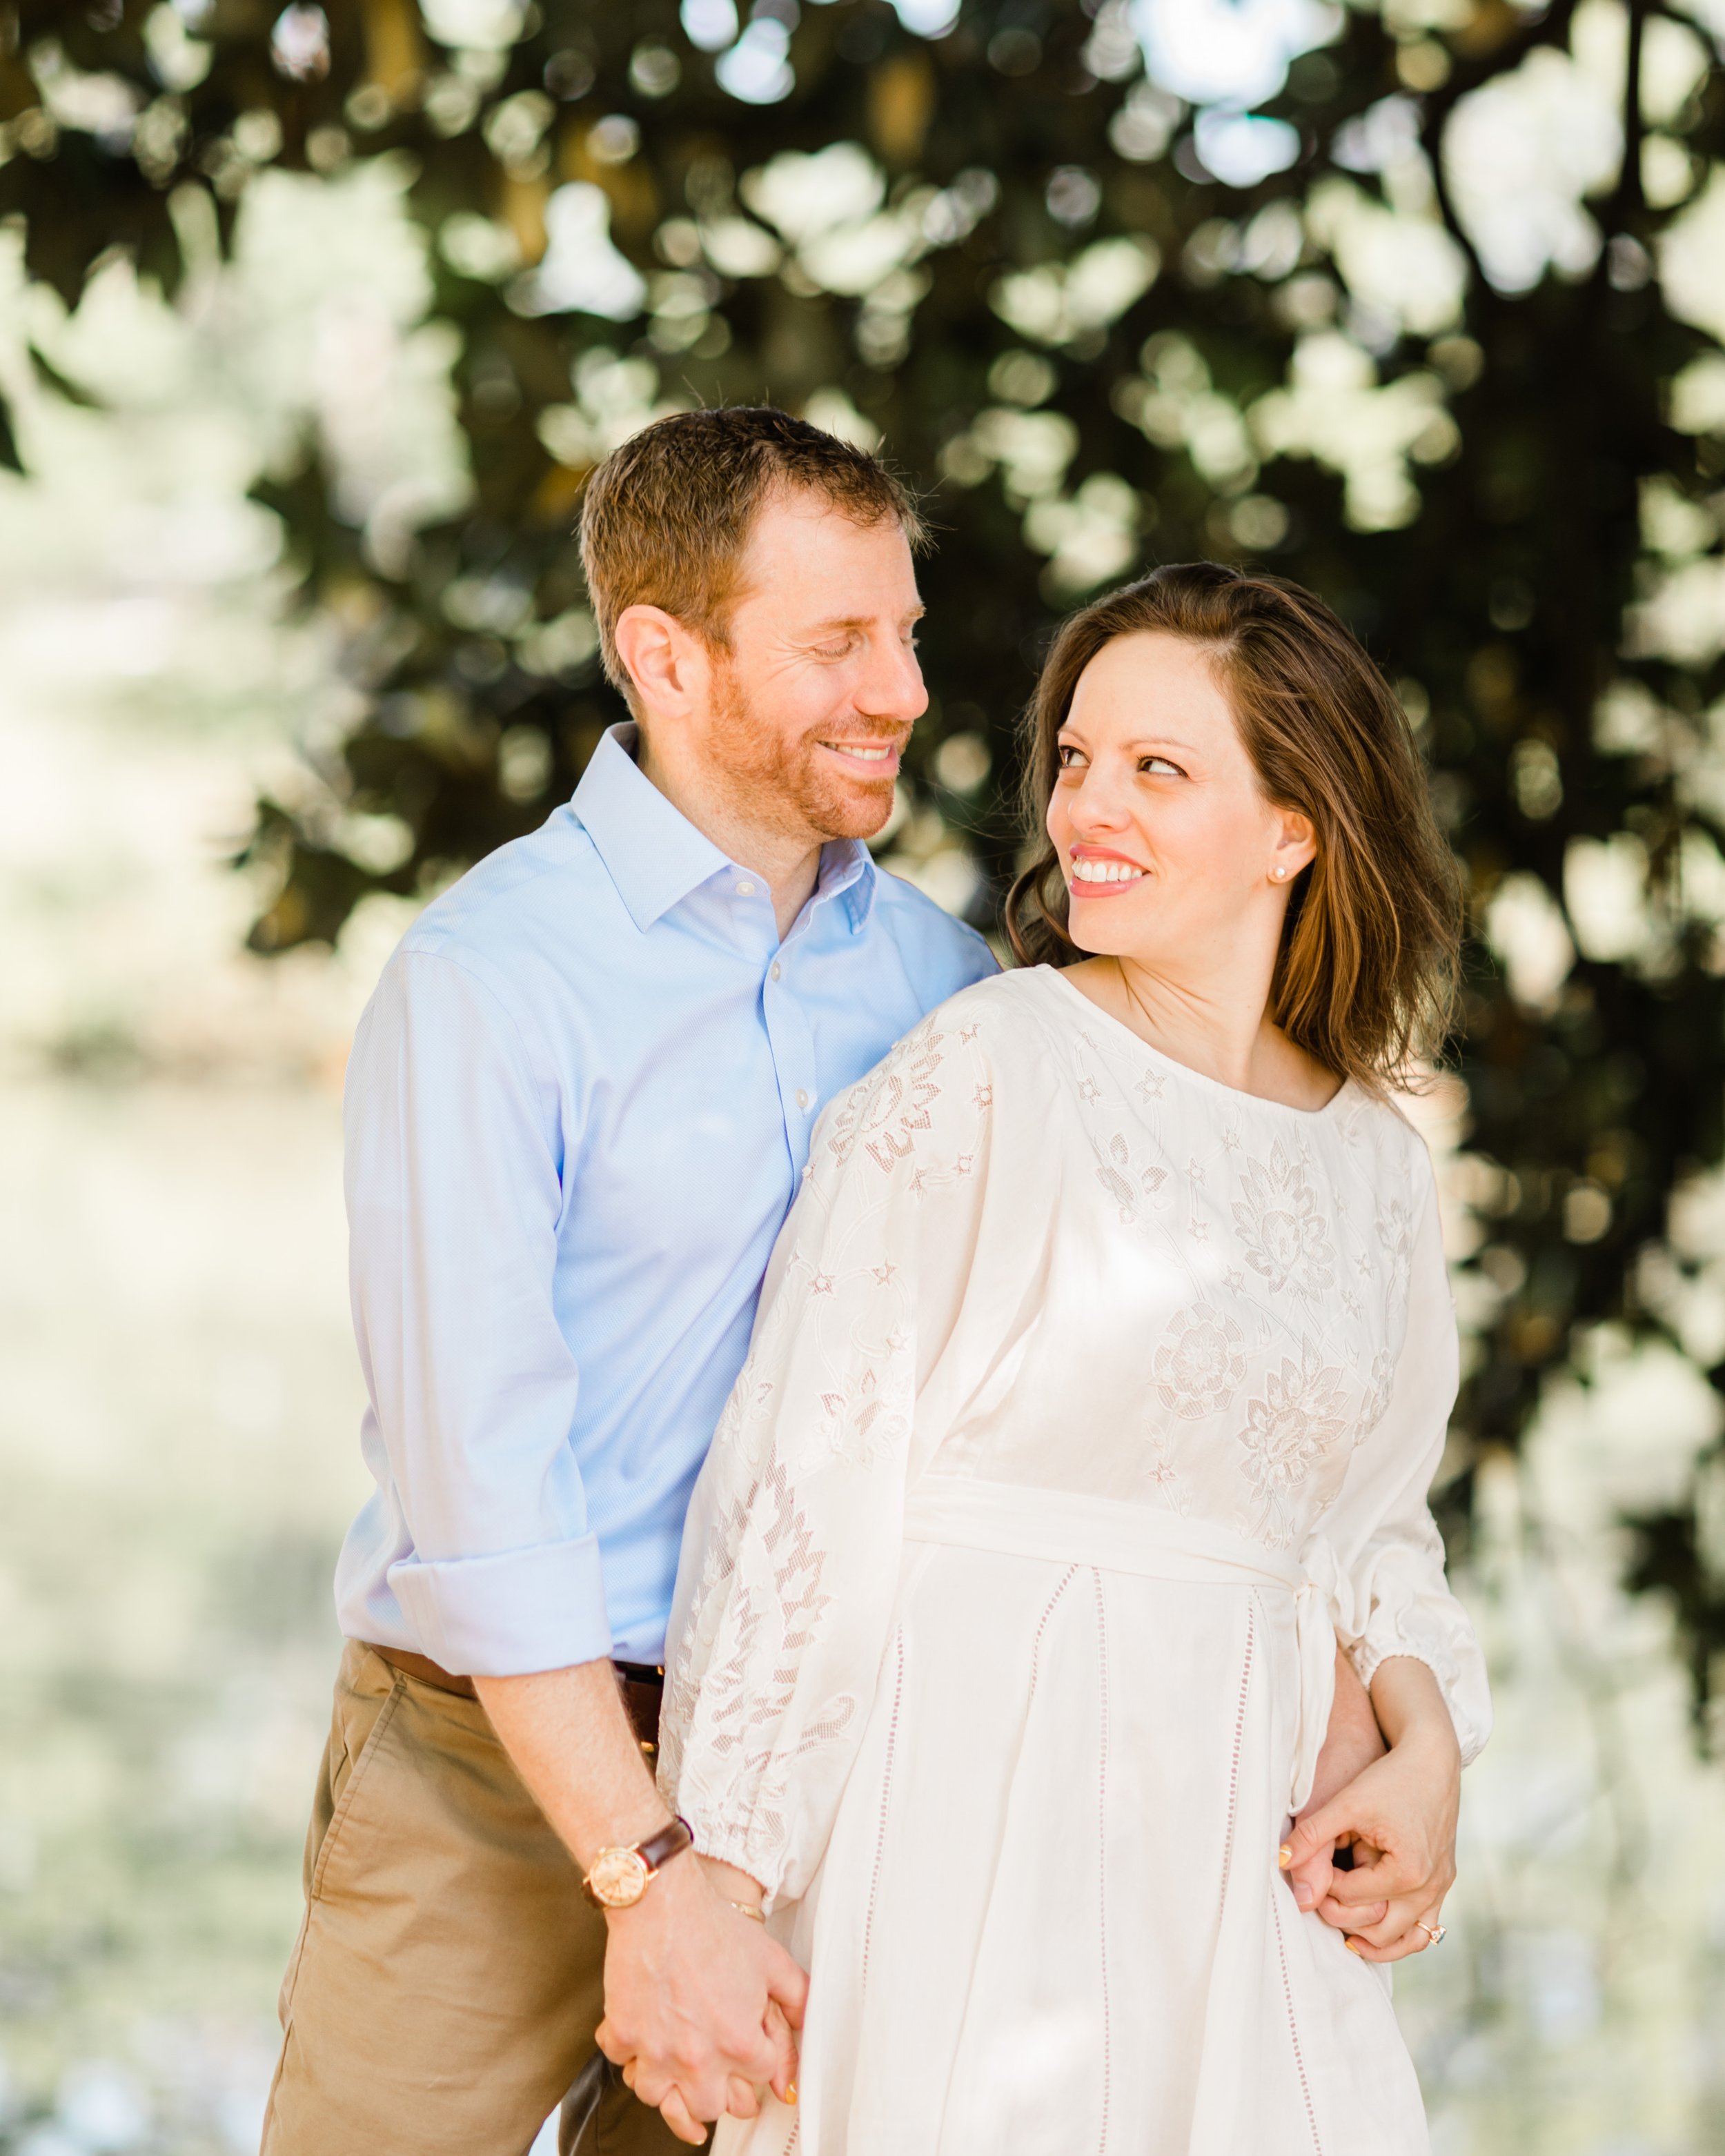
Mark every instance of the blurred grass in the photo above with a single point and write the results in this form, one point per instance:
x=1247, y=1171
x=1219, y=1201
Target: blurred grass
x=177, y=1421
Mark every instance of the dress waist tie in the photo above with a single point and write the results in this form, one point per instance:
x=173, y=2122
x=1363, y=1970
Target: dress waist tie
x=1112, y=1535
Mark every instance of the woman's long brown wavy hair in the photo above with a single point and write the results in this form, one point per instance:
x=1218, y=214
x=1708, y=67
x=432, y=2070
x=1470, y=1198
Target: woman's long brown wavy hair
x=1365, y=977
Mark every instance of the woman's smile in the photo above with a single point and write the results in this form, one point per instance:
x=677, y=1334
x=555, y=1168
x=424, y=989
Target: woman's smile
x=1102, y=872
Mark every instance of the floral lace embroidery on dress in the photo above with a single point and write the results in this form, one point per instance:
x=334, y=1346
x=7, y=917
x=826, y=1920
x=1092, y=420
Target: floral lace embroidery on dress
x=768, y=1561
x=1285, y=1237
x=1199, y=1367
x=1306, y=1411
x=887, y=1111
x=1292, y=1426
x=1128, y=1184
x=759, y=1604
x=1308, y=1405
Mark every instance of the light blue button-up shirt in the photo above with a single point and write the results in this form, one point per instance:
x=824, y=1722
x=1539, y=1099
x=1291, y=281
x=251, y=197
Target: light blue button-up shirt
x=578, y=1108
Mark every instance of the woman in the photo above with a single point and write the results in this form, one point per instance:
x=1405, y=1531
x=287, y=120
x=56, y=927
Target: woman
x=1100, y=1372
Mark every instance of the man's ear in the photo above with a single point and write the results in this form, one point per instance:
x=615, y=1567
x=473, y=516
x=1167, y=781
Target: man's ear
x=664, y=661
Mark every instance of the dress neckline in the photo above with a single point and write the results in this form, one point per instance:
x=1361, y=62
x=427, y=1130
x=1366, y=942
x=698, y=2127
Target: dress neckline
x=1200, y=1078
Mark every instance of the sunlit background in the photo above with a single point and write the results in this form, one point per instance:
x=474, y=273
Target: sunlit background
x=237, y=472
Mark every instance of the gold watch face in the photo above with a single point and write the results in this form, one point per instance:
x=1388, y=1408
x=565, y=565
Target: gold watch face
x=619, y=1877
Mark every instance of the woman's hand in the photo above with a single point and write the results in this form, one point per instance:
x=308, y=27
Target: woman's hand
x=1400, y=1814
x=1353, y=1742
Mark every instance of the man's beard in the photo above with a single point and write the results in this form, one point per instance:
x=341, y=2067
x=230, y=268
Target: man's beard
x=789, y=784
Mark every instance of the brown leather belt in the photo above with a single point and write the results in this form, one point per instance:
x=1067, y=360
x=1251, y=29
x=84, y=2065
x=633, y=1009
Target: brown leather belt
x=642, y=1685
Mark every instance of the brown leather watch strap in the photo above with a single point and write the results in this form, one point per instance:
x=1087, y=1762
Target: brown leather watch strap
x=657, y=1850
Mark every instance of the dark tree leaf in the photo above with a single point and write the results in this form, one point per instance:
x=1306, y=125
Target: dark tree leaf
x=1021, y=139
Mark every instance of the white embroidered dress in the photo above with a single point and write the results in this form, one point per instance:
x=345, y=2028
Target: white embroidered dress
x=1088, y=1399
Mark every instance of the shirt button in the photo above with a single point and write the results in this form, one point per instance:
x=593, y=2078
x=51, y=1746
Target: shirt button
x=777, y=969
x=801, y=1097
x=745, y=891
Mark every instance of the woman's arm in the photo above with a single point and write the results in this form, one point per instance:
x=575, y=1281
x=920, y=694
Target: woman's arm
x=1409, y=1640
x=1401, y=1813
x=738, y=1888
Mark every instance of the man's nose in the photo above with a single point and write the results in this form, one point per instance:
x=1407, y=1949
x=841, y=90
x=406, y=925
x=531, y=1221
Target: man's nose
x=893, y=686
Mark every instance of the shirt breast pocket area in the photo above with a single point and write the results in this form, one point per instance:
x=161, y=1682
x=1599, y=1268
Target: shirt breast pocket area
x=684, y=1181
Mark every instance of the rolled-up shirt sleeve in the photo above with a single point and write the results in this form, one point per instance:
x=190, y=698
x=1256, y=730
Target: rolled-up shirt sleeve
x=454, y=1188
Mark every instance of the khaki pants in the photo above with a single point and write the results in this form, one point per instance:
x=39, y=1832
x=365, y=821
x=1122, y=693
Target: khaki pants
x=447, y=1978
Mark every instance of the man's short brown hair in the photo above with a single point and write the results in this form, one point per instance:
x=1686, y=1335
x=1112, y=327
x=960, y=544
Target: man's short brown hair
x=666, y=517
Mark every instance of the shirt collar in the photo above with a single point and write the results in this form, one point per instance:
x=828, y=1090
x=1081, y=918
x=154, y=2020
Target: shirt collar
x=653, y=854
x=656, y=856
x=847, y=873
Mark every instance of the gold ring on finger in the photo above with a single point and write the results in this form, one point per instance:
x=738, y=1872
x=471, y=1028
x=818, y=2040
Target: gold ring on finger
x=1435, y=1933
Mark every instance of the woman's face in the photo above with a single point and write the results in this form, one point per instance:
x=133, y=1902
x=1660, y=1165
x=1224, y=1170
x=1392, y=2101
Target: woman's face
x=1170, y=848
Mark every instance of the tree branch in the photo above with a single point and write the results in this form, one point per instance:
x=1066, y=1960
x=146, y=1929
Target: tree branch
x=1553, y=28
x=1627, y=200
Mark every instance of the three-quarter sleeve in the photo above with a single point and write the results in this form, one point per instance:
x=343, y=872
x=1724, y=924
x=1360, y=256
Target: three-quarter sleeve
x=454, y=1196
x=791, y=1555
x=1395, y=1599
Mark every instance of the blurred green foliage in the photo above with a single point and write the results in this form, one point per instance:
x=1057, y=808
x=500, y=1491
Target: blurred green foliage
x=1008, y=262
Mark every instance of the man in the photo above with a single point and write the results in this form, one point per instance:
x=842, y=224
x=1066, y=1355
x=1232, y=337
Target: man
x=577, y=1108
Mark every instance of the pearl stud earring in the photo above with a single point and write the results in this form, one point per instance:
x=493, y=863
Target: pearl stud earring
x=1278, y=873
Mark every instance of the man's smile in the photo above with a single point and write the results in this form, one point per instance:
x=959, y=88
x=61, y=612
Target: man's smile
x=868, y=759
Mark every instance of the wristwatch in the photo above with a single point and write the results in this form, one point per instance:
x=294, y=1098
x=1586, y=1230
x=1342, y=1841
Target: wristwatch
x=620, y=1876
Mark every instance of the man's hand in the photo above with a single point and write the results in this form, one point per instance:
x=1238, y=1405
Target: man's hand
x=700, y=2003
x=697, y=1996
x=1401, y=1814
x=1352, y=1742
